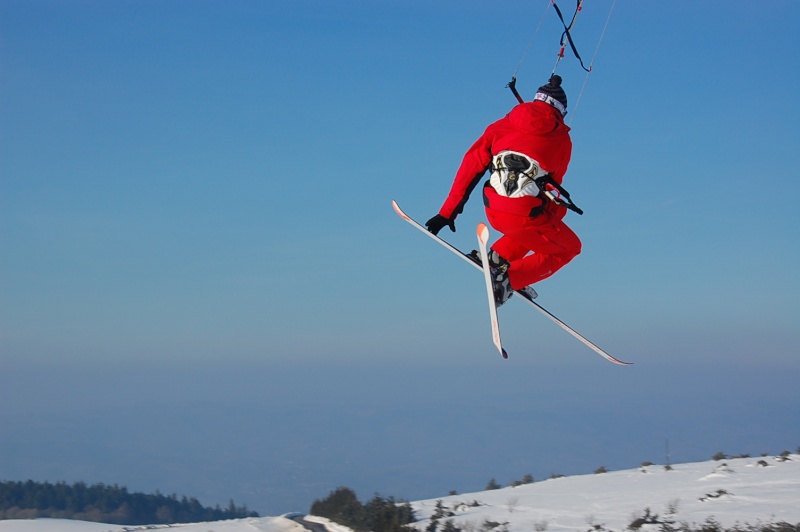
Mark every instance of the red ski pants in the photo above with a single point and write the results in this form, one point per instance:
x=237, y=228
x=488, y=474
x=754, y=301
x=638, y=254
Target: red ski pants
x=536, y=247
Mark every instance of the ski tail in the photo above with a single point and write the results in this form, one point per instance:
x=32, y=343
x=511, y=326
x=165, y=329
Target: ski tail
x=575, y=334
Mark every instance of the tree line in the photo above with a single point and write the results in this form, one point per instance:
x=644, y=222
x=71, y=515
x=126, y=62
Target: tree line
x=106, y=504
x=379, y=514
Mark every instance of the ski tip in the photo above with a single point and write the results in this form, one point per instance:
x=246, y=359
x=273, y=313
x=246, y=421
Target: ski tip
x=483, y=232
x=505, y=354
x=399, y=211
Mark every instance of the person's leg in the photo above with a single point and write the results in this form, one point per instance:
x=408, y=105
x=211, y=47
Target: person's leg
x=553, y=245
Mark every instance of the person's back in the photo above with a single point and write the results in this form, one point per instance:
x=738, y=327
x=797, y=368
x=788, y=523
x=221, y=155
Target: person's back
x=537, y=130
x=531, y=142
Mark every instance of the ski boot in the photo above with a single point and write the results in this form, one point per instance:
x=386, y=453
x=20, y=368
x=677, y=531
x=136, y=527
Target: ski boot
x=528, y=292
x=498, y=267
x=500, y=270
x=475, y=256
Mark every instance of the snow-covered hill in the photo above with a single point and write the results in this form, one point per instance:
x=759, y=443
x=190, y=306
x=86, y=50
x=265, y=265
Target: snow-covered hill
x=741, y=490
x=252, y=524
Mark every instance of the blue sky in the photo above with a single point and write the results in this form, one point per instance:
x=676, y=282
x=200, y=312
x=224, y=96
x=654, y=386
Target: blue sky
x=208, y=184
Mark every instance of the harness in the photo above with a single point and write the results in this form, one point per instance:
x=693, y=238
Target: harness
x=515, y=175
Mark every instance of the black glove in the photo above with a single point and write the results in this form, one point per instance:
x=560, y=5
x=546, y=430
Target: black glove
x=436, y=223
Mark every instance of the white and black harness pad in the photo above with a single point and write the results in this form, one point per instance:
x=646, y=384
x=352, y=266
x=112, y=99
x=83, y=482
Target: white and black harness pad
x=514, y=174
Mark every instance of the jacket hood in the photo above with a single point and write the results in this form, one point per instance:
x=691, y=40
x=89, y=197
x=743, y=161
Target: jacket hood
x=536, y=117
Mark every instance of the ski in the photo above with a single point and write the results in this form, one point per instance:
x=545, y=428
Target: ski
x=483, y=248
x=520, y=293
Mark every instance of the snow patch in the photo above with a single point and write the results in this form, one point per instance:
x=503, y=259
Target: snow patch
x=739, y=491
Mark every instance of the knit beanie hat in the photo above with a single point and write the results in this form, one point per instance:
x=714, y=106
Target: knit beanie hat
x=553, y=94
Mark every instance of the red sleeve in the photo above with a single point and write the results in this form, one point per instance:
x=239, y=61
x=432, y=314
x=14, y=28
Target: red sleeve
x=475, y=163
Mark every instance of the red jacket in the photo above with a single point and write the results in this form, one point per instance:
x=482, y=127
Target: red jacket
x=533, y=128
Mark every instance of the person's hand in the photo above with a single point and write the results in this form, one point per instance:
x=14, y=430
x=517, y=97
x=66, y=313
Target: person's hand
x=436, y=223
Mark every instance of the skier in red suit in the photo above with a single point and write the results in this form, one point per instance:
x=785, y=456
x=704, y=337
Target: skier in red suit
x=519, y=149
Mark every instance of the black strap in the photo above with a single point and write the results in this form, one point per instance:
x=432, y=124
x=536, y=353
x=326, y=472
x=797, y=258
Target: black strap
x=567, y=33
x=565, y=200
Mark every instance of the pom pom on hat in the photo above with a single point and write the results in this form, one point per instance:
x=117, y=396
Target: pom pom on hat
x=553, y=94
